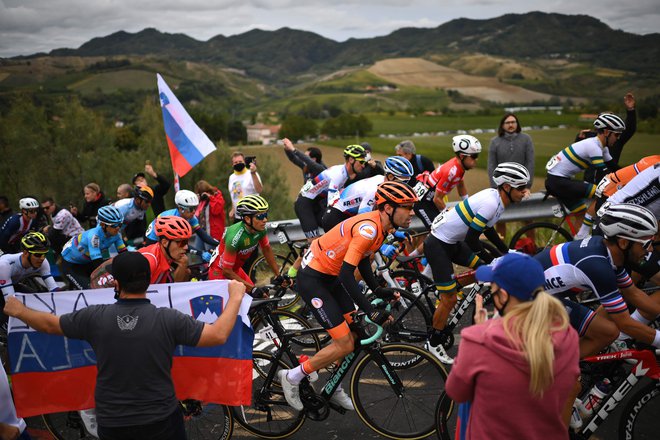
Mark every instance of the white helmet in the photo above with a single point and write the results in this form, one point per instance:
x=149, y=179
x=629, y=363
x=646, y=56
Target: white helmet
x=609, y=121
x=466, y=144
x=512, y=173
x=186, y=199
x=28, y=203
x=625, y=220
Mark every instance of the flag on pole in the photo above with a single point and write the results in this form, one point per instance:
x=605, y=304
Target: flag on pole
x=188, y=144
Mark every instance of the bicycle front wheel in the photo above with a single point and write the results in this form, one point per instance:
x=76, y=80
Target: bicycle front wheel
x=410, y=415
x=66, y=426
x=269, y=416
x=261, y=274
x=533, y=238
x=206, y=421
x=639, y=419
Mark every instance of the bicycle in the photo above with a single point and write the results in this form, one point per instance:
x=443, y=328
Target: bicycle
x=541, y=235
x=393, y=386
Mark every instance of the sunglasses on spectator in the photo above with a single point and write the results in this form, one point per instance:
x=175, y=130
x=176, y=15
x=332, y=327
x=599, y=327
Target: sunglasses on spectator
x=262, y=216
x=181, y=243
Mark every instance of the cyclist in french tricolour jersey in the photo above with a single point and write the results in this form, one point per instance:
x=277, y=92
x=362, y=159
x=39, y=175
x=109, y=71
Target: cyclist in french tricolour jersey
x=360, y=196
x=596, y=263
x=432, y=188
x=327, y=282
x=240, y=241
x=17, y=225
x=454, y=238
x=590, y=152
x=186, y=203
x=322, y=190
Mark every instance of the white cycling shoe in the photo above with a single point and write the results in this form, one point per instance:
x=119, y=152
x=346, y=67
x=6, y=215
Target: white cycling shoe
x=439, y=352
x=341, y=398
x=291, y=391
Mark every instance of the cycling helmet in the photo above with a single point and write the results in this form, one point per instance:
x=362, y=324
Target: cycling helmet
x=466, y=144
x=28, y=203
x=356, y=152
x=35, y=243
x=186, y=199
x=609, y=121
x=512, y=173
x=172, y=227
x=625, y=220
x=144, y=193
x=399, y=166
x=252, y=204
x=109, y=215
x=395, y=193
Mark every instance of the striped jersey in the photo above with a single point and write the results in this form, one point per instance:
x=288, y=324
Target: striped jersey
x=578, y=157
x=582, y=265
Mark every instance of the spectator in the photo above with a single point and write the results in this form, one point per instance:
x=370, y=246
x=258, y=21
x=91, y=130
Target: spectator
x=11, y=426
x=211, y=209
x=124, y=191
x=158, y=202
x=420, y=163
x=134, y=394
x=510, y=145
x=94, y=199
x=244, y=181
x=310, y=162
x=5, y=210
x=528, y=360
x=64, y=224
x=17, y=225
x=372, y=168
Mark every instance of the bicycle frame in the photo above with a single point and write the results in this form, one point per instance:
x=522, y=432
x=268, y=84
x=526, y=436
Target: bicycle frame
x=646, y=366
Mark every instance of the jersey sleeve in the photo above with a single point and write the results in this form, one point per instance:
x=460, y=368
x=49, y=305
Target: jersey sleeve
x=94, y=247
x=185, y=329
x=75, y=325
x=366, y=205
x=364, y=234
x=484, y=214
x=6, y=284
x=194, y=224
x=229, y=254
x=44, y=271
x=596, y=156
x=605, y=284
x=119, y=243
x=264, y=242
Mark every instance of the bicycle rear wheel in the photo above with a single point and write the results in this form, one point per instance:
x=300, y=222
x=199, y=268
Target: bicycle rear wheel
x=66, y=426
x=206, y=421
x=411, y=415
x=269, y=416
x=261, y=274
x=412, y=321
x=304, y=344
x=639, y=419
x=540, y=236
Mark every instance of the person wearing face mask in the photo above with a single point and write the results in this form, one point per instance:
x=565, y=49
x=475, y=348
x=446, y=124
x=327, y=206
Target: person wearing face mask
x=526, y=362
x=244, y=181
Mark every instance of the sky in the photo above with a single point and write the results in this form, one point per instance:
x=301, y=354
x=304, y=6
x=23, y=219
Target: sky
x=31, y=26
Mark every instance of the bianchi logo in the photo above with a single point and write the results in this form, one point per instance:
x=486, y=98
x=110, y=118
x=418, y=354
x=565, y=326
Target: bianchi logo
x=127, y=322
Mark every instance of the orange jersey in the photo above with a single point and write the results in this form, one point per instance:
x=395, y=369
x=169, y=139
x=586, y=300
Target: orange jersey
x=350, y=241
x=617, y=180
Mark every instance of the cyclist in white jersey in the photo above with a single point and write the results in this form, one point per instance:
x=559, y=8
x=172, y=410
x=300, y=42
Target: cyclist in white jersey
x=454, y=238
x=15, y=267
x=592, y=152
x=360, y=196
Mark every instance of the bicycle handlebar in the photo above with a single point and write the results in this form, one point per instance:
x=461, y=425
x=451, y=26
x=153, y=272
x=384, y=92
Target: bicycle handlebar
x=375, y=336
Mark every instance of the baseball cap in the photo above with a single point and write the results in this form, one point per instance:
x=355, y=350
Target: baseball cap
x=132, y=271
x=136, y=176
x=519, y=274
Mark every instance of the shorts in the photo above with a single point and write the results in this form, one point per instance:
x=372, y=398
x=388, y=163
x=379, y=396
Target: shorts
x=571, y=193
x=333, y=217
x=579, y=315
x=310, y=213
x=441, y=255
x=78, y=275
x=328, y=300
x=426, y=211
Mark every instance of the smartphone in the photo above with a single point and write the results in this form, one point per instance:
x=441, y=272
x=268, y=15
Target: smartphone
x=249, y=160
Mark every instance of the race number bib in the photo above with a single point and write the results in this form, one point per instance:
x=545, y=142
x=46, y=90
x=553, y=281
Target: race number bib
x=420, y=189
x=554, y=160
x=307, y=258
x=307, y=186
x=439, y=220
x=602, y=186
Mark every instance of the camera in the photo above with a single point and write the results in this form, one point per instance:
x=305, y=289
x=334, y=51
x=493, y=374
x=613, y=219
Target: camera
x=249, y=160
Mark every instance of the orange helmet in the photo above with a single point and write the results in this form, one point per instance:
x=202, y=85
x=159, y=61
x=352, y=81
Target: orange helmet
x=395, y=193
x=173, y=227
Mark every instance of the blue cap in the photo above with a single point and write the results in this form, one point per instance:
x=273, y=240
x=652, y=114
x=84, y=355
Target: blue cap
x=519, y=274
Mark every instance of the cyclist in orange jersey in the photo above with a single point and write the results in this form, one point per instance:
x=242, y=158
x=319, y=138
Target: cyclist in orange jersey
x=613, y=182
x=327, y=281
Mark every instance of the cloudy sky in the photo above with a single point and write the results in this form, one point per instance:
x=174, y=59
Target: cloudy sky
x=30, y=26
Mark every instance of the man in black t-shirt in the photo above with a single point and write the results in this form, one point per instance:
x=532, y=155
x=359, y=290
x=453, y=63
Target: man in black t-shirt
x=134, y=342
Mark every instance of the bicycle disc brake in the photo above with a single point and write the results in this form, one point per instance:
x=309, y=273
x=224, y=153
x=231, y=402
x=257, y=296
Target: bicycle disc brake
x=316, y=406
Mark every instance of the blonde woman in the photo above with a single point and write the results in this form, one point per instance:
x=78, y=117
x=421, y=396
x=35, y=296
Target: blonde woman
x=518, y=371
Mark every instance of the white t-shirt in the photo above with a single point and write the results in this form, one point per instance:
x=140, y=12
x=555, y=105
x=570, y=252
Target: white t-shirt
x=241, y=185
x=7, y=410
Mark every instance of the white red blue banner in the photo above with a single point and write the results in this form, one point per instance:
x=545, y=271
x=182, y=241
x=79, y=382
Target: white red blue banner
x=53, y=373
x=188, y=144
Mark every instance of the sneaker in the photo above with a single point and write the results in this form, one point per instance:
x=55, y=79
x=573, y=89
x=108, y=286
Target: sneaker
x=439, y=352
x=291, y=391
x=341, y=398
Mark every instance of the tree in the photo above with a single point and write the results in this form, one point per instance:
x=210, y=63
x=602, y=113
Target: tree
x=236, y=133
x=297, y=127
x=347, y=124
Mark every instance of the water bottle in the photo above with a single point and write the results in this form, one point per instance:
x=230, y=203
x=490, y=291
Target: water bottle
x=596, y=395
x=314, y=376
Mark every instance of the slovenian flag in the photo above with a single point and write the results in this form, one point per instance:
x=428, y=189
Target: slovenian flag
x=188, y=144
x=52, y=373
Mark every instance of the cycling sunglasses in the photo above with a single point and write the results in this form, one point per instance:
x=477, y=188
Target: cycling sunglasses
x=647, y=243
x=31, y=211
x=262, y=216
x=112, y=225
x=186, y=209
x=181, y=243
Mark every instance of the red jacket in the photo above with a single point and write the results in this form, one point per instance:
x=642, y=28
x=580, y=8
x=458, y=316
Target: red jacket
x=211, y=214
